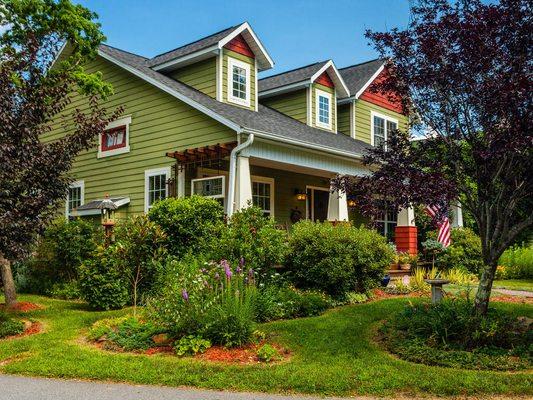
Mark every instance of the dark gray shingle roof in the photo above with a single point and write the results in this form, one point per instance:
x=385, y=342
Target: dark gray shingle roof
x=265, y=119
x=290, y=77
x=356, y=76
x=192, y=47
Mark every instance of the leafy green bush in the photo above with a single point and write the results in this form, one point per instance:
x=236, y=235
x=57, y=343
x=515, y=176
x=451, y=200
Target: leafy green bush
x=101, y=328
x=101, y=282
x=274, y=302
x=126, y=333
x=253, y=238
x=191, y=345
x=9, y=326
x=267, y=353
x=517, y=263
x=191, y=223
x=451, y=330
x=336, y=259
x=66, y=291
x=464, y=252
x=356, y=298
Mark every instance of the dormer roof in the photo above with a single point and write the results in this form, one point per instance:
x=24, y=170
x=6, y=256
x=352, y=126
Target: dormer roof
x=210, y=45
x=359, y=76
x=302, y=77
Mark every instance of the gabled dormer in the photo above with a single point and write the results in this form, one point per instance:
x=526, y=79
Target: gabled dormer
x=308, y=94
x=224, y=65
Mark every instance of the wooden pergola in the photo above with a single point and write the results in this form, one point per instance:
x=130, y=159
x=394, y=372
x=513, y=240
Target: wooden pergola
x=200, y=156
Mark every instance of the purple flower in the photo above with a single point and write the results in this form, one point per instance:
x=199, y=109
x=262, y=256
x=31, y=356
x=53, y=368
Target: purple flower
x=251, y=273
x=227, y=269
x=241, y=262
x=185, y=295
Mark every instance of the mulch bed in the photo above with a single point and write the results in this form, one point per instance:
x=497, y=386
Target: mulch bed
x=239, y=355
x=22, y=306
x=513, y=299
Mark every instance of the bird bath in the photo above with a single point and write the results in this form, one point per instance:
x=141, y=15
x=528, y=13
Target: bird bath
x=436, y=289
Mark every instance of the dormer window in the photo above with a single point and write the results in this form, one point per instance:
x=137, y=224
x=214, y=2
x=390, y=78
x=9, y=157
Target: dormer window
x=115, y=139
x=239, y=82
x=323, y=109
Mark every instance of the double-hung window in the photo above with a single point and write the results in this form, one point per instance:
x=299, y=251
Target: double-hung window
x=382, y=127
x=115, y=138
x=263, y=195
x=211, y=186
x=155, y=186
x=323, y=109
x=74, y=197
x=386, y=221
x=238, y=82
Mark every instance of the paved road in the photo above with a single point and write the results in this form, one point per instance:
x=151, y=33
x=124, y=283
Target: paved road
x=23, y=388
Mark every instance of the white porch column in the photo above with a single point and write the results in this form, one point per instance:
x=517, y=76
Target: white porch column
x=180, y=182
x=457, y=211
x=406, y=217
x=243, y=189
x=337, y=206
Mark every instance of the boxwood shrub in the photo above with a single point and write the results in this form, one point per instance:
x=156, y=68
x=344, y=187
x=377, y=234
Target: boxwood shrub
x=336, y=259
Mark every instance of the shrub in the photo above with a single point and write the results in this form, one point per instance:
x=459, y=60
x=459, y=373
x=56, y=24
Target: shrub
x=464, y=252
x=137, y=248
x=101, y=282
x=190, y=223
x=9, y=326
x=356, y=298
x=127, y=333
x=267, y=353
x=66, y=291
x=252, y=237
x=517, y=262
x=191, y=345
x=100, y=329
x=336, y=259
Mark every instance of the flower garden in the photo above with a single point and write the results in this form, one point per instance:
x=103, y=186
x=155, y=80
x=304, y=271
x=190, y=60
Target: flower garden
x=183, y=284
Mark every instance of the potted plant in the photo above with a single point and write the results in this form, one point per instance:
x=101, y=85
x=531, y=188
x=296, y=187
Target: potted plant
x=404, y=259
x=394, y=264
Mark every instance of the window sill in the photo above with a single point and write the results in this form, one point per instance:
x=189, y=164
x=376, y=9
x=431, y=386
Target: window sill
x=114, y=152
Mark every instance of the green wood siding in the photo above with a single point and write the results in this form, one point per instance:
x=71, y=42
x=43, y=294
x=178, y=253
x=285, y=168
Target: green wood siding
x=201, y=75
x=333, y=103
x=247, y=60
x=159, y=123
x=363, y=111
x=293, y=104
x=343, y=118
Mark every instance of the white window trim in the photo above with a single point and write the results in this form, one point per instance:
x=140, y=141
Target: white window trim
x=386, y=118
x=216, y=196
x=81, y=185
x=125, y=121
x=322, y=93
x=231, y=63
x=271, y=182
x=154, y=172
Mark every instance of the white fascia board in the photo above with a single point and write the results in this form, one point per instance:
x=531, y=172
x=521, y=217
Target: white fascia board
x=62, y=48
x=345, y=92
x=230, y=124
x=366, y=85
x=246, y=26
x=308, y=145
x=284, y=89
x=189, y=57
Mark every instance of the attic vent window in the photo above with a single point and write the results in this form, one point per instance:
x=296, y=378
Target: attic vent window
x=238, y=82
x=115, y=139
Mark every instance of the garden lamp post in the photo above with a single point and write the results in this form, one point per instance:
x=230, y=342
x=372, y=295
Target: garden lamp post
x=107, y=208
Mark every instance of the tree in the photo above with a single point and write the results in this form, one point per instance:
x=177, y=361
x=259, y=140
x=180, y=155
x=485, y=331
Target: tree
x=463, y=71
x=34, y=91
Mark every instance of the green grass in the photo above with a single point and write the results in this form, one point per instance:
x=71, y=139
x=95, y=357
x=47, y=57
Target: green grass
x=333, y=354
x=515, y=284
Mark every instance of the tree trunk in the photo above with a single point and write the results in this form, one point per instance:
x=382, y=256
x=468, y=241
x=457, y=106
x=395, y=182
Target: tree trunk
x=481, y=302
x=7, y=278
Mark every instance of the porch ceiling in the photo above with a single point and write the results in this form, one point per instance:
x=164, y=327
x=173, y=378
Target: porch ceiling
x=261, y=162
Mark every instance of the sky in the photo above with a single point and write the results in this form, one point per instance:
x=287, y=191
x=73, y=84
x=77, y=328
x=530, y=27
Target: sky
x=294, y=32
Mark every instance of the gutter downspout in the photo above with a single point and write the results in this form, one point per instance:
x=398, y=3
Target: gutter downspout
x=232, y=172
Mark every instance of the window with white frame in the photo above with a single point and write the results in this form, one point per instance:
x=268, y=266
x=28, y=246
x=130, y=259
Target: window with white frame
x=323, y=109
x=386, y=221
x=238, y=82
x=115, y=139
x=155, y=186
x=75, y=196
x=212, y=186
x=263, y=195
x=382, y=127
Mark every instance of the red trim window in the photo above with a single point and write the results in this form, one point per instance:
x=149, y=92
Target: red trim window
x=114, y=138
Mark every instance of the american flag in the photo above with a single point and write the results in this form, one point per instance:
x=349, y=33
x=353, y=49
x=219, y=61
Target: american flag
x=443, y=226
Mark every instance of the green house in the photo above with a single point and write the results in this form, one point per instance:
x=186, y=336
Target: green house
x=199, y=120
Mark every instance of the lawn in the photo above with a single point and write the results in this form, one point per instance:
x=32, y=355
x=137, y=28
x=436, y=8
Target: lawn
x=333, y=354
x=515, y=284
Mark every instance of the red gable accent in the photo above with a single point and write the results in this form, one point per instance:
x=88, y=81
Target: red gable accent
x=385, y=100
x=325, y=80
x=239, y=45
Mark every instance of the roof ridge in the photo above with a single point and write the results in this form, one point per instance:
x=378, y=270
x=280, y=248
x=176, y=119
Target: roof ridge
x=198, y=40
x=294, y=69
x=362, y=63
x=124, y=51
